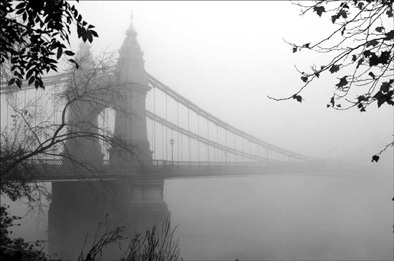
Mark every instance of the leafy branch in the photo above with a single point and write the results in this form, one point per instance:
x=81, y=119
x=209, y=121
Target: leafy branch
x=33, y=37
x=362, y=48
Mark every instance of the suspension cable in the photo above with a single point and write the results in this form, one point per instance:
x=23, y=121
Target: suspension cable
x=177, y=123
x=166, y=141
x=154, y=156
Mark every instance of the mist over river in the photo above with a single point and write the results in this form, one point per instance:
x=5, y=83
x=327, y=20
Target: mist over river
x=284, y=217
x=276, y=217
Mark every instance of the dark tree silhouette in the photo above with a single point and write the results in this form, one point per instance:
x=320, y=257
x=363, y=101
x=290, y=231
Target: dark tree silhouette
x=33, y=33
x=360, y=50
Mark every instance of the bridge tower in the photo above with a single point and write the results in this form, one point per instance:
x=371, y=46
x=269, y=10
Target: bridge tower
x=77, y=207
x=130, y=71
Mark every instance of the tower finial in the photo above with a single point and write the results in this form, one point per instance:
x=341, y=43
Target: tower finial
x=131, y=27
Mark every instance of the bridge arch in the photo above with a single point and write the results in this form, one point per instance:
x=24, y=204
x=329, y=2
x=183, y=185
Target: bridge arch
x=106, y=126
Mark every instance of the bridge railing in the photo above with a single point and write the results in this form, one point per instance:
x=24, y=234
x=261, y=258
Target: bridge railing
x=59, y=169
x=193, y=168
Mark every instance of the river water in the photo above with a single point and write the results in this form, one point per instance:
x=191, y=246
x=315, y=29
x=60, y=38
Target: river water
x=271, y=217
x=338, y=217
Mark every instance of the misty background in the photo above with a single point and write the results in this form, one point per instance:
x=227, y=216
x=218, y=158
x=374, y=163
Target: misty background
x=226, y=57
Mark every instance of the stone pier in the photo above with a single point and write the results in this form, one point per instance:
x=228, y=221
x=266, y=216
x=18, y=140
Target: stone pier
x=77, y=208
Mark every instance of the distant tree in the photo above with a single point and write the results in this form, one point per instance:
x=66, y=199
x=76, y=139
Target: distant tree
x=33, y=34
x=34, y=136
x=361, y=50
x=17, y=248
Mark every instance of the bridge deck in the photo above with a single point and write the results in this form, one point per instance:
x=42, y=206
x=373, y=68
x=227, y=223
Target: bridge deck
x=56, y=170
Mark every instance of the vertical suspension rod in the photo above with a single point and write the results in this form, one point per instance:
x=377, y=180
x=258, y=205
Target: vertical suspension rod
x=166, y=141
x=177, y=123
x=198, y=133
x=189, y=140
x=208, y=139
x=154, y=156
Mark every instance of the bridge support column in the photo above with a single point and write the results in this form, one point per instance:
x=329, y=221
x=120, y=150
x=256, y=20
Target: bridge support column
x=78, y=207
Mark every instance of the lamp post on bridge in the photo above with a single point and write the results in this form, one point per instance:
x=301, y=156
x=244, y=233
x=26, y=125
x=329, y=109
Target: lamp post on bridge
x=172, y=150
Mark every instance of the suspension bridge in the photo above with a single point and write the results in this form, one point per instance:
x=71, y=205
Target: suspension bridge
x=80, y=118
x=211, y=147
x=178, y=139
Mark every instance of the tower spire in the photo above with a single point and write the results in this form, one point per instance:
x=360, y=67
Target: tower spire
x=130, y=54
x=131, y=27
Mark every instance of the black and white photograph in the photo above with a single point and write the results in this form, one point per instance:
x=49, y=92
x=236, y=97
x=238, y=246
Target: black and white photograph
x=196, y=130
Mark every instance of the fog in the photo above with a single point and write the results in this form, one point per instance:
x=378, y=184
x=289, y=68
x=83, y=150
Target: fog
x=227, y=57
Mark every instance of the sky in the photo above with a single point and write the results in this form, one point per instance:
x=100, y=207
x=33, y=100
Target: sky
x=227, y=57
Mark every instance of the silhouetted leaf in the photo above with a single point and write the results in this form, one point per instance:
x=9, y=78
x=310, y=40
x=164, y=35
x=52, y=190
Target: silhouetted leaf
x=11, y=82
x=342, y=13
x=294, y=49
x=385, y=87
x=383, y=58
x=384, y=97
x=359, y=62
x=373, y=60
x=344, y=5
x=334, y=68
x=297, y=97
x=94, y=33
x=319, y=10
x=375, y=158
x=389, y=35
x=69, y=53
x=29, y=73
x=367, y=53
x=379, y=29
x=342, y=82
x=334, y=18
x=21, y=5
x=332, y=101
x=31, y=80
x=89, y=36
x=74, y=62
x=373, y=42
x=372, y=75
x=304, y=78
x=59, y=52
x=380, y=97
